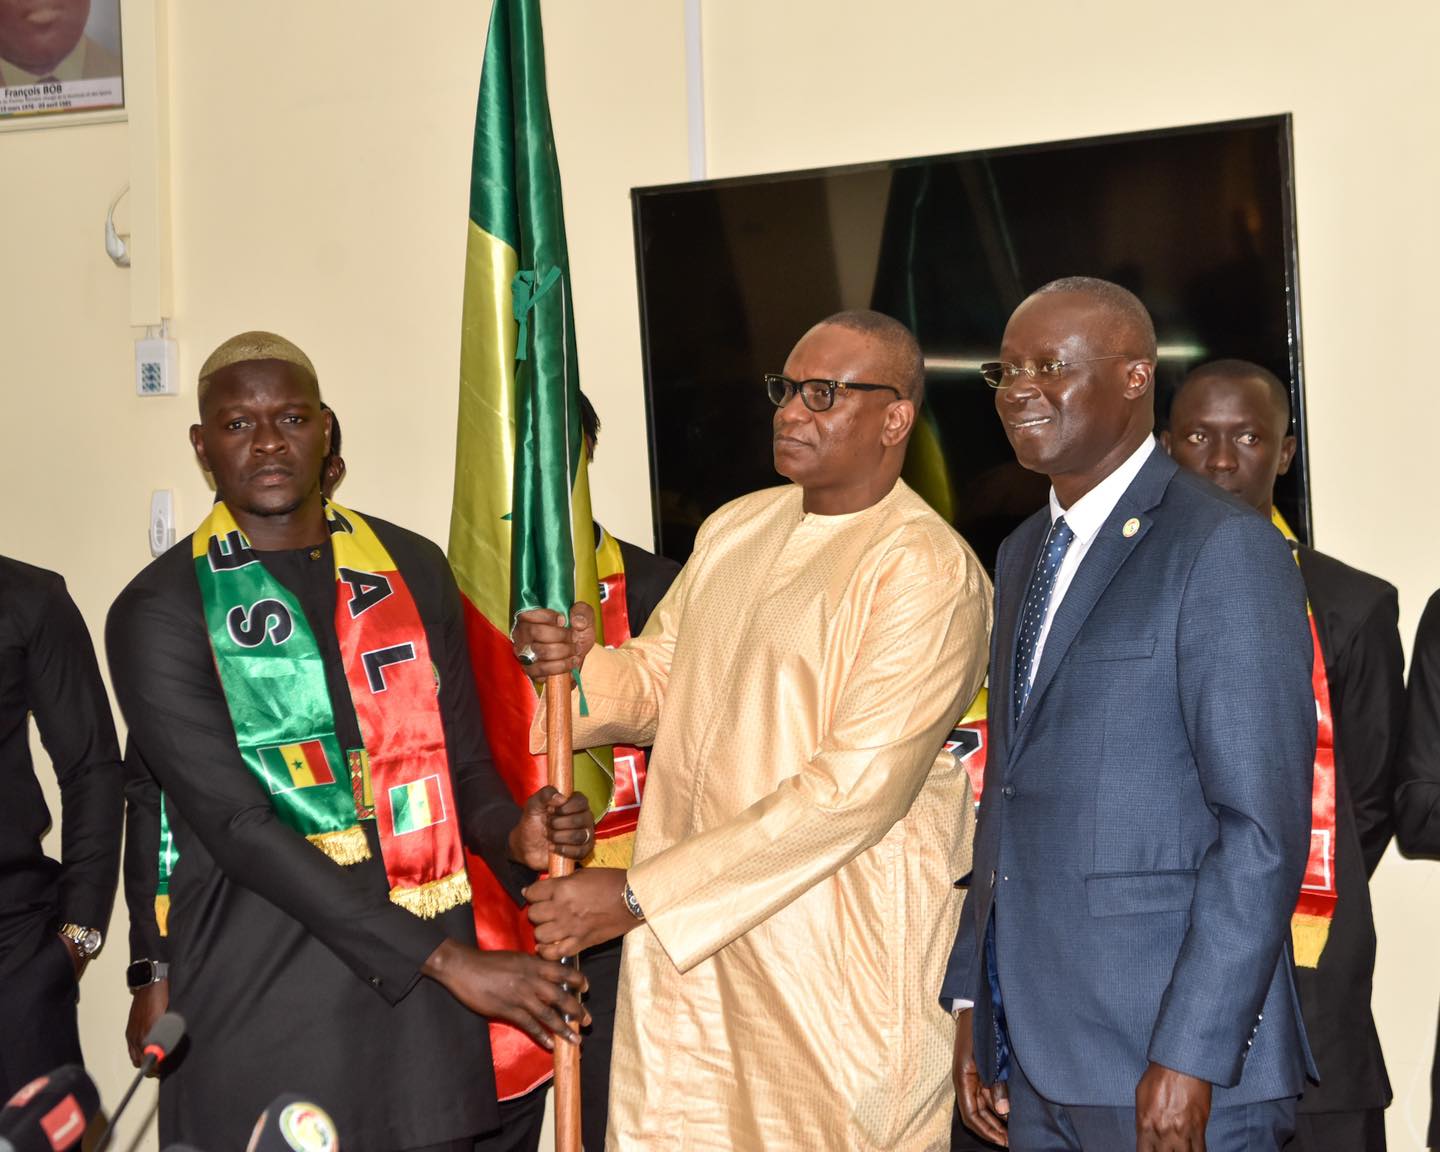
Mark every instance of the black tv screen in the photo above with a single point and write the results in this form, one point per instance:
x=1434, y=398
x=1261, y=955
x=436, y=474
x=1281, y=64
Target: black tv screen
x=1199, y=222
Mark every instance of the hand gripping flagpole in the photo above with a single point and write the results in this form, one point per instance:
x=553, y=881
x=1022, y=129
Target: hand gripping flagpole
x=561, y=769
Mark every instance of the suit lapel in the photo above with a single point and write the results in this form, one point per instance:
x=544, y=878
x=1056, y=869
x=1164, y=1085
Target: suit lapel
x=1109, y=550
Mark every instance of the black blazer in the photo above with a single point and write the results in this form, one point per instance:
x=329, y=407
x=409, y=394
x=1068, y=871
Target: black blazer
x=1357, y=617
x=647, y=578
x=1417, y=799
x=48, y=670
x=1417, y=772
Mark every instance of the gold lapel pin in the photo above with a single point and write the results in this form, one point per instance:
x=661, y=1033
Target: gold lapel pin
x=1131, y=527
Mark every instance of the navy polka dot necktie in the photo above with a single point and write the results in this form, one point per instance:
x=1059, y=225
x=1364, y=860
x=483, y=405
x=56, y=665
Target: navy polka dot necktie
x=1037, y=600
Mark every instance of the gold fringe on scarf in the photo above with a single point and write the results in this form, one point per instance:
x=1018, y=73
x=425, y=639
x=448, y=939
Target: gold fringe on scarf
x=162, y=913
x=347, y=846
x=1308, y=934
x=613, y=852
x=435, y=897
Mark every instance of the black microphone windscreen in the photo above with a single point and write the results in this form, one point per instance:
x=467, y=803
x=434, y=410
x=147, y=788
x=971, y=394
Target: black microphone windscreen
x=51, y=1113
x=165, y=1033
x=290, y=1123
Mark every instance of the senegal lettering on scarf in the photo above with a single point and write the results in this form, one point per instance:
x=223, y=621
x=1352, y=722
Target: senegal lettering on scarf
x=273, y=674
x=1310, y=925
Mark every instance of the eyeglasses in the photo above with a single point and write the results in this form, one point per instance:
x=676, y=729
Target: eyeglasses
x=816, y=395
x=999, y=374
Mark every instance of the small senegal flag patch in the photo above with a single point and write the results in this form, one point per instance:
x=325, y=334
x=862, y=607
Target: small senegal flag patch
x=416, y=805
x=292, y=766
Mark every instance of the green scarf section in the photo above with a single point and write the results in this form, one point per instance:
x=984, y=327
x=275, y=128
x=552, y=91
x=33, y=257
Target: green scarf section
x=273, y=672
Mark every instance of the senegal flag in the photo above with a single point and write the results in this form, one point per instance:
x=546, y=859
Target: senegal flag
x=419, y=804
x=521, y=534
x=291, y=766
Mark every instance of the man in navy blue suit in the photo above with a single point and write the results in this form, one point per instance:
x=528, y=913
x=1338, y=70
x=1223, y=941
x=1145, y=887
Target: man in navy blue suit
x=1122, y=974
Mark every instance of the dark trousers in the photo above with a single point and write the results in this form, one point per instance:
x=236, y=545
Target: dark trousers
x=37, y=1014
x=1339, y=1132
x=601, y=966
x=520, y=1122
x=1040, y=1125
x=963, y=1140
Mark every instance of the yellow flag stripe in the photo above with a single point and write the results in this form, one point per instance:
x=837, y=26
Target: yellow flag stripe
x=420, y=804
x=485, y=440
x=298, y=765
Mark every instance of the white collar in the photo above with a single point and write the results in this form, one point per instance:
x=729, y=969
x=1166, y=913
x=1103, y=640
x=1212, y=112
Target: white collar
x=1088, y=514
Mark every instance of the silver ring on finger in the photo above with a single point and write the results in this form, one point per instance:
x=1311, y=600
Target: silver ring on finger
x=526, y=655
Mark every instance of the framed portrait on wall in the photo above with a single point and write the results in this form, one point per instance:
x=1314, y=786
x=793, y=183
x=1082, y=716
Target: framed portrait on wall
x=59, y=57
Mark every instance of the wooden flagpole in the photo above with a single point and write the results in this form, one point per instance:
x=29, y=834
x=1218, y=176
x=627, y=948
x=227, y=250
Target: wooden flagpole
x=561, y=769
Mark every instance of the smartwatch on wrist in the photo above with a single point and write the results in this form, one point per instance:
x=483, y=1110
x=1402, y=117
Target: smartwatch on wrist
x=143, y=973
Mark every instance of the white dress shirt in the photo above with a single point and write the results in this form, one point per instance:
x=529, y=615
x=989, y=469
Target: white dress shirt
x=1085, y=517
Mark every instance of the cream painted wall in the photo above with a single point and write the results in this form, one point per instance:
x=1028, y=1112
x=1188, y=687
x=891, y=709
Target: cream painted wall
x=319, y=156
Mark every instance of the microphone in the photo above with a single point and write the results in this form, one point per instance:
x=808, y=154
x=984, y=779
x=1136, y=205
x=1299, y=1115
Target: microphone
x=291, y=1122
x=51, y=1113
x=160, y=1041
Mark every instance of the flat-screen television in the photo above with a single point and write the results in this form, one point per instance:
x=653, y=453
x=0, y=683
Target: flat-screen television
x=1199, y=222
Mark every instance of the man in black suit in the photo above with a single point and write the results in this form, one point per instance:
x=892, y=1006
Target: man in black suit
x=1229, y=423
x=1417, y=799
x=372, y=987
x=148, y=974
x=52, y=914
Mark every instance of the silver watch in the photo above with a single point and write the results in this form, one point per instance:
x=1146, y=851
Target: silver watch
x=632, y=905
x=87, y=941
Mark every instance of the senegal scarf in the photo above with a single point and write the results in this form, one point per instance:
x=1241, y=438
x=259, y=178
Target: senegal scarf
x=969, y=742
x=273, y=674
x=1310, y=925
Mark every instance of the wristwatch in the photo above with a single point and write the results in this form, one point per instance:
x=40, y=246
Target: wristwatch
x=632, y=905
x=143, y=973
x=87, y=941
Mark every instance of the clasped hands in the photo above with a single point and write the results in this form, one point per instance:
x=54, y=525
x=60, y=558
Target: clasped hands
x=537, y=995
x=556, y=649
x=550, y=822
x=579, y=911
x=1171, y=1108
